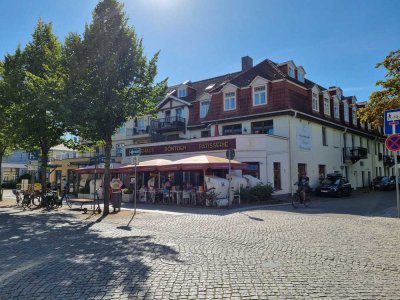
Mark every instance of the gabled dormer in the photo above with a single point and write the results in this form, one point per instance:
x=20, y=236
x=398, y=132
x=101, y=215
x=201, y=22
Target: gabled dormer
x=315, y=91
x=289, y=68
x=346, y=111
x=259, y=90
x=336, y=107
x=301, y=74
x=327, y=103
x=204, y=103
x=229, y=92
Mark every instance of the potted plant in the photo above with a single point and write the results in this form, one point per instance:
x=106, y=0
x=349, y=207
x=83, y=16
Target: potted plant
x=127, y=195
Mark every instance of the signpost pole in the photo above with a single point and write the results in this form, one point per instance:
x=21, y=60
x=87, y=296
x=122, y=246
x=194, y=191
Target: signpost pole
x=135, y=153
x=134, y=196
x=396, y=174
x=229, y=184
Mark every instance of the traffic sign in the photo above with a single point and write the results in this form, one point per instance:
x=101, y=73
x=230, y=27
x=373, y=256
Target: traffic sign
x=97, y=160
x=134, y=152
x=33, y=155
x=230, y=154
x=392, y=121
x=393, y=142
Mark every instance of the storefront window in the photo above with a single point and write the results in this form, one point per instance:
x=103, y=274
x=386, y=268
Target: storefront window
x=253, y=169
x=232, y=129
x=263, y=127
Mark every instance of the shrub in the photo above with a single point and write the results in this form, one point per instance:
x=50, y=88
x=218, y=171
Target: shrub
x=258, y=193
x=9, y=185
x=127, y=191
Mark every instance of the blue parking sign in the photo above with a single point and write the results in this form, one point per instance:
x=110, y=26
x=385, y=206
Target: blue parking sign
x=392, y=117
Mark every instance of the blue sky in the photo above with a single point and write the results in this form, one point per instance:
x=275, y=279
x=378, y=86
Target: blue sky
x=337, y=42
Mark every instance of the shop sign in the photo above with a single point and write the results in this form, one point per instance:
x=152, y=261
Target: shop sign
x=186, y=147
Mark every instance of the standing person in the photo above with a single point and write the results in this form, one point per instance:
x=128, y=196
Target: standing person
x=116, y=193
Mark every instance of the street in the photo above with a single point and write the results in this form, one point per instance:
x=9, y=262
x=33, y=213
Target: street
x=197, y=253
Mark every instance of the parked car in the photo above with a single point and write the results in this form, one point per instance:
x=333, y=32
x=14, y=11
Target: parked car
x=334, y=184
x=384, y=183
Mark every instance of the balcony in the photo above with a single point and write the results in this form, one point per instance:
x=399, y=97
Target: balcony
x=137, y=131
x=354, y=154
x=168, y=124
x=388, y=161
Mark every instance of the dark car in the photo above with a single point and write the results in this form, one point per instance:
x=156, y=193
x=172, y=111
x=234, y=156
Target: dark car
x=384, y=183
x=335, y=185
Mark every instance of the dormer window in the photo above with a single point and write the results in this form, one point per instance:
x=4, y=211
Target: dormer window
x=291, y=72
x=300, y=76
x=315, y=101
x=327, y=106
x=204, y=105
x=260, y=95
x=182, y=92
x=346, y=112
x=230, y=101
x=354, y=114
x=336, y=108
x=339, y=93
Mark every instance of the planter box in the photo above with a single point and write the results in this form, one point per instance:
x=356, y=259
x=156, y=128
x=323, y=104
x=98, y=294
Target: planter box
x=127, y=197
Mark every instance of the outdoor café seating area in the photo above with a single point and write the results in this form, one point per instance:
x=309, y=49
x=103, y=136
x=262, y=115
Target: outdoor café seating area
x=184, y=182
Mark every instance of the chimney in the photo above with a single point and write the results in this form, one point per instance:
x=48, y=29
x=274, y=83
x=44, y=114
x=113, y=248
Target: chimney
x=247, y=63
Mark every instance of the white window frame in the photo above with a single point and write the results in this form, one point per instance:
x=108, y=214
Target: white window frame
x=336, y=109
x=182, y=92
x=229, y=96
x=327, y=106
x=141, y=124
x=346, y=112
x=315, y=101
x=293, y=73
x=354, y=114
x=203, y=113
x=300, y=76
x=255, y=93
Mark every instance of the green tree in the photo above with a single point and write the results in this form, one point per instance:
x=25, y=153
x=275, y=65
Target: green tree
x=36, y=85
x=110, y=79
x=386, y=98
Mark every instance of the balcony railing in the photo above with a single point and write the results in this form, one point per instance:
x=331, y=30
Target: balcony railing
x=137, y=131
x=354, y=154
x=168, y=124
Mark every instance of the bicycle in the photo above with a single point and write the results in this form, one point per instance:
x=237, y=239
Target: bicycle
x=66, y=198
x=301, y=197
x=26, y=200
x=52, y=200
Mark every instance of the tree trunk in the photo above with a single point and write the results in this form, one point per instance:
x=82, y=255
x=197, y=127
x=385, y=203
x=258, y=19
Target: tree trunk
x=43, y=170
x=1, y=175
x=106, y=183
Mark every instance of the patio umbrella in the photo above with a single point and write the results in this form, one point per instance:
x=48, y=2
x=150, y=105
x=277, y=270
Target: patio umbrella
x=202, y=162
x=152, y=165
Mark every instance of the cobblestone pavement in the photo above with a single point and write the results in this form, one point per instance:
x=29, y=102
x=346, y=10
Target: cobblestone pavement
x=218, y=254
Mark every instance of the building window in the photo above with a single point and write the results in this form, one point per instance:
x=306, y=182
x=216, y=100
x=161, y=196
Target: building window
x=344, y=140
x=327, y=106
x=232, y=129
x=301, y=168
x=230, y=101
x=253, y=169
x=277, y=176
x=336, y=109
x=339, y=93
x=353, y=143
x=301, y=76
x=315, y=104
x=291, y=72
x=205, y=133
x=368, y=150
x=141, y=124
x=324, y=137
x=263, y=127
x=181, y=92
x=321, y=171
x=118, y=149
x=354, y=112
x=204, y=105
x=260, y=95
x=179, y=112
x=346, y=112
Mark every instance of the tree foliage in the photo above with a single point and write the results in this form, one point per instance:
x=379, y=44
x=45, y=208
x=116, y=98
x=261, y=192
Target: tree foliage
x=386, y=98
x=35, y=84
x=109, y=78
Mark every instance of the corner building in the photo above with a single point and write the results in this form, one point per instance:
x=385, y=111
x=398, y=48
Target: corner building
x=277, y=120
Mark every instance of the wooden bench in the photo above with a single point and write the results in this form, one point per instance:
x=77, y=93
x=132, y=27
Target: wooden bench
x=82, y=202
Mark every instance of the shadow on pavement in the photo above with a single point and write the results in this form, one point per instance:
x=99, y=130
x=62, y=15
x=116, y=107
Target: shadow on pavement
x=66, y=258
